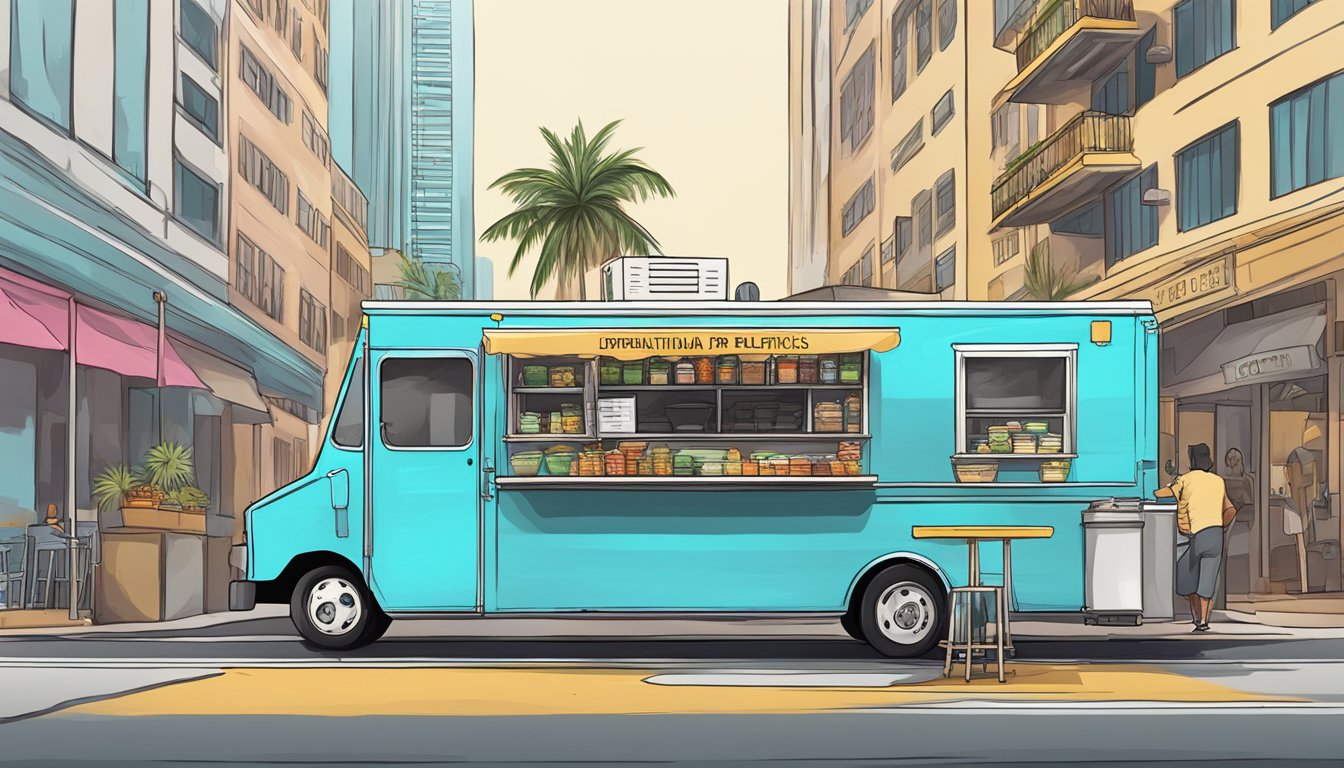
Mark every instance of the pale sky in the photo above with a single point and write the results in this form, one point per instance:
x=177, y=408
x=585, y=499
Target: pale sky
x=701, y=85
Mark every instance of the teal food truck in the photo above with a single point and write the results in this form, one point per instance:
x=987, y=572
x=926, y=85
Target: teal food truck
x=707, y=458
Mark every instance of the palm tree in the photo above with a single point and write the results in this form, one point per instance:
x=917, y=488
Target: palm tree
x=428, y=282
x=575, y=209
x=1046, y=282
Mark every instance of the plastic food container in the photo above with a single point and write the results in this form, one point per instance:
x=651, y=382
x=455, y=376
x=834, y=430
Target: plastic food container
x=809, y=370
x=1055, y=471
x=976, y=473
x=614, y=463
x=727, y=369
x=704, y=370
x=563, y=376
x=685, y=372
x=534, y=376
x=660, y=372
x=558, y=462
x=525, y=463
x=609, y=371
x=828, y=370
x=786, y=369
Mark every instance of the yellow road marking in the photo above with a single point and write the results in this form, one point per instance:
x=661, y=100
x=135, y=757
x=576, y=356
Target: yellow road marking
x=513, y=691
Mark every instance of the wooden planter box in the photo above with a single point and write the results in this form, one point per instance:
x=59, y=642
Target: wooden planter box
x=161, y=519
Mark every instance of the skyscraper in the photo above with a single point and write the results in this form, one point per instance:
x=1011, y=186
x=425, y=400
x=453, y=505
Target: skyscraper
x=401, y=121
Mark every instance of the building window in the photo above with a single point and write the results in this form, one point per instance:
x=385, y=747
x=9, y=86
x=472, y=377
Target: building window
x=200, y=32
x=908, y=147
x=1006, y=125
x=352, y=271
x=1307, y=136
x=41, y=39
x=856, y=102
x=427, y=402
x=321, y=61
x=296, y=34
x=282, y=460
x=130, y=86
x=263, y=84
x=945, y=195
x=858, y=207
x=1205, y=30
x=942, y=112
x=923, y=34
x=262, y=173
x=1283, y=10
x=312, y=321
x=1089, y=222
x=1145, y=74
x=1207, y=178
x=348, y=197
x=315, y=139
x=922, y=208
x=854, y=10
x=1111, y=94
x=888, y=251
x=259, y=278
x=196, y=201
x=900, y=54
x=1133, y=224
x=201, y=108
x=866, y=267
x=280, y=19
x=945, y=269
x=1005, y=248
x=904, y=236
x=316, y=226
x=258, y=7
x=996, y=384
x=947, y=23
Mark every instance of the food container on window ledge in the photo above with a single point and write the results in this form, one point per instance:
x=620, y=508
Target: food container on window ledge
x=632, y=372
x=525, y=463
x=752, y=372
x=851, y=369
x=559, y=459
x=828, y=370
x=727, y=369
x=704, y=370
x=685, y=372
x=660, y=371
x=975, y=471
x=1055, y=470
x=609, y=372
x=809, y=371
x=786, y=369
x=563, y=376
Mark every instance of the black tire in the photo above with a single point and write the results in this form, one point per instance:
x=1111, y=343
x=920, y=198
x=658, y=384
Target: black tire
x=850, y=623
x=364, y=624
x=914, y=616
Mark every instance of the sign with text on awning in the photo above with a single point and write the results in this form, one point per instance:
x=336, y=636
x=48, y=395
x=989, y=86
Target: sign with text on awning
x=639, y=343
x=1272, y=364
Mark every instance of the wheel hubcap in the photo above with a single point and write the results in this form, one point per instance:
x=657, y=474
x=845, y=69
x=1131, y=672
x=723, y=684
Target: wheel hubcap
x=906, y=613
x=334, y=606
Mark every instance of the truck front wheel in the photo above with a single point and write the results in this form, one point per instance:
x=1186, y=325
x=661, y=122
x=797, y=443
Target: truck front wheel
x=333, y=610
x=903, y=612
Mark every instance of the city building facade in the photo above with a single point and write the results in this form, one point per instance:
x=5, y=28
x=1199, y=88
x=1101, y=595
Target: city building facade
x=402, y=124
x=115, y=244
x=1192, y=153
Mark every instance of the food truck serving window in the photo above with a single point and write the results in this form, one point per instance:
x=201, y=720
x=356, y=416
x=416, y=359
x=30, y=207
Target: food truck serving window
x=1016, y=400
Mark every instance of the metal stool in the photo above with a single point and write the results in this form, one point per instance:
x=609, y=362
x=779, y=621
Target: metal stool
x=972, y=641
x=44, y=581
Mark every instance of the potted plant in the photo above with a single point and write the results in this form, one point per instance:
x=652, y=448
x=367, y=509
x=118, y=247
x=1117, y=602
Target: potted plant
x=190, y=499
x=168, y=466
x=112, y=487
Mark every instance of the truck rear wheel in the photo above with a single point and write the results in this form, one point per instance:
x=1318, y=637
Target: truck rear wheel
x=333, y=610
x=903, y=612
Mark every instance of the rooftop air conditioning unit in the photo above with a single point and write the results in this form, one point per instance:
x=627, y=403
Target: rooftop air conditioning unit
x=664, y=278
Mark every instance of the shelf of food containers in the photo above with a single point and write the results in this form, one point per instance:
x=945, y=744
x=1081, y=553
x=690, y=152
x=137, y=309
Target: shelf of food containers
x=639, y=459
x=685, y=483
x=1014, y=440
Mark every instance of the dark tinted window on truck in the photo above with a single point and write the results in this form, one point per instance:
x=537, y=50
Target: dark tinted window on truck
x=349, y=432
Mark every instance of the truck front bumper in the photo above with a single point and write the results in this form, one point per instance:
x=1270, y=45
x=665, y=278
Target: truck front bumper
x=242, y=595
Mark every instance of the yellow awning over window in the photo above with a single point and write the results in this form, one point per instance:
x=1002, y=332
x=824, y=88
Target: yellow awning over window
x=638, y=343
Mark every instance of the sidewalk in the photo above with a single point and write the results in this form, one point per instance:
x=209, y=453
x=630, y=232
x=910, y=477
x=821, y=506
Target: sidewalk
x=273, y=621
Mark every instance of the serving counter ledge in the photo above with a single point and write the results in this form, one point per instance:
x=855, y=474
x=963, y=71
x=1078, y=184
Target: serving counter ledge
x=700, y=483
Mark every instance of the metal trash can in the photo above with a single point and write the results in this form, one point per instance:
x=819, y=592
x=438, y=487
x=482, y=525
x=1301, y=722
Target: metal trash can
x=1113, y=562
x=1159, y=559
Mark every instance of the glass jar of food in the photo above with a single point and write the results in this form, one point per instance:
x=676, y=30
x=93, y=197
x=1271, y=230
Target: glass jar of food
x=851, y=369
x=704, y=370
x=659, y=371
x=727, y=369
x=632, y=372
x=808, y=370
x=752, y=372
x=786, y=369
x=829, y=370
x=685, y=372
x=609, y=371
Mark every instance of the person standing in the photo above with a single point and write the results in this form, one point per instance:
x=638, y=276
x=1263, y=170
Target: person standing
x=1203, y=512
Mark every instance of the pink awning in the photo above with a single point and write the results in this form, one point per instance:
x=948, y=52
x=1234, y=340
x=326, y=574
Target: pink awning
x=36, y=315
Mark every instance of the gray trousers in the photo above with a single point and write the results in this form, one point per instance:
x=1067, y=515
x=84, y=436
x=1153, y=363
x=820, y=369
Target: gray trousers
x=1199, y=558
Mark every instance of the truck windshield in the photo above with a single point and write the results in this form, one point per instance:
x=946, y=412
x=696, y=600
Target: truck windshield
x=349, y=431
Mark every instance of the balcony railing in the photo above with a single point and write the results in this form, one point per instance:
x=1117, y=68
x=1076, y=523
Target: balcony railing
x=1056, y=17
x=1088, y=132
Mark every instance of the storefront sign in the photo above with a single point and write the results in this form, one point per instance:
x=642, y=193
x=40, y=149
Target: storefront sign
x=1271, y=365
x=635, y=343
x=1206, y=280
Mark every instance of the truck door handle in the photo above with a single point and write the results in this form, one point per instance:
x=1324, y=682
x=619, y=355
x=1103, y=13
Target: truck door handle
x=487, y=469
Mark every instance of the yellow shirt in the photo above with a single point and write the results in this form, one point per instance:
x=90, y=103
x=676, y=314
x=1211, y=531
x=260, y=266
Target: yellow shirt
x=1201, y=498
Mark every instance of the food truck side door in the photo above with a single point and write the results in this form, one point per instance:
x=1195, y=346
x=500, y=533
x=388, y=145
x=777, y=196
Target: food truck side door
x=425, y=482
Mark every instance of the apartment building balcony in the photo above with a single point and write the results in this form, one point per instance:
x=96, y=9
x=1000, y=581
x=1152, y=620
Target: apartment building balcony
x=1066, y=41
x=1071, y=166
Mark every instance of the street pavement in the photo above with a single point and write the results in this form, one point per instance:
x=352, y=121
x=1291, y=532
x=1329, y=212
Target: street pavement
x=624, y=692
